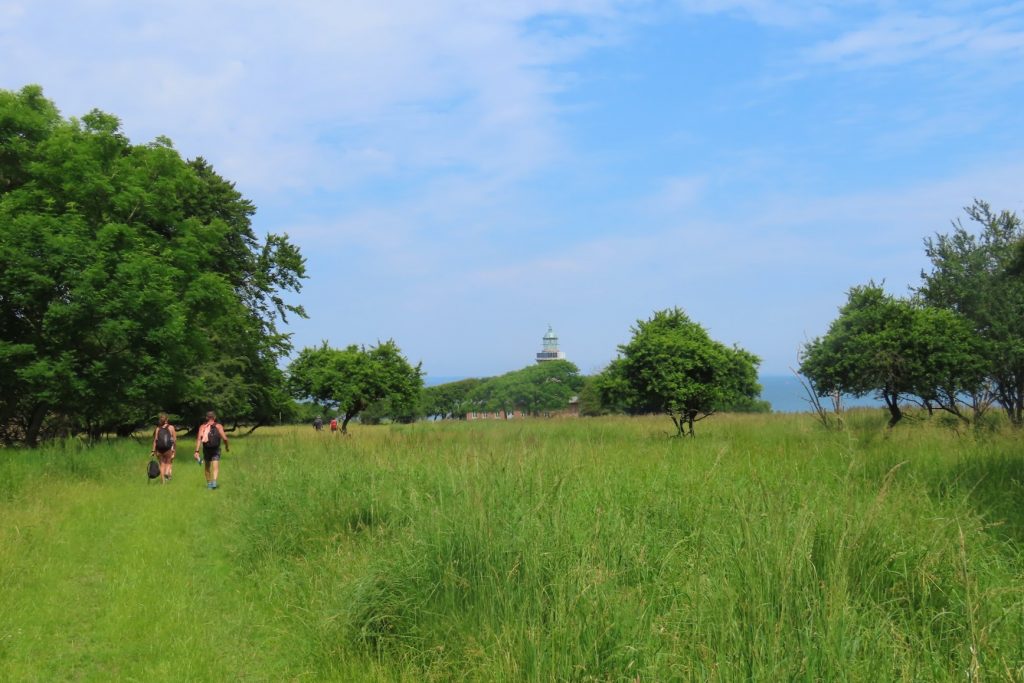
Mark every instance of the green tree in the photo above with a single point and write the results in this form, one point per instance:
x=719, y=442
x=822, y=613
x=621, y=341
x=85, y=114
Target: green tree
x=671, y=365
x=613, y=389
x=354, y=378
x=864, y=351
x=451, y=399
x=130, y=280
x=948, y=363
x=972, y=274
x=535, y=389
x=898, y=350
x=591, y=403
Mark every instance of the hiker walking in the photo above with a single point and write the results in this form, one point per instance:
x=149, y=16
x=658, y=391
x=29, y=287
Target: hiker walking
x=164, y=439
x=211, y=435
x=318, y=423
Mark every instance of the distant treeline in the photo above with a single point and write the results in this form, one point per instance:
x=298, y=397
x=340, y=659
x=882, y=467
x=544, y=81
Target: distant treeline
x=670, y=366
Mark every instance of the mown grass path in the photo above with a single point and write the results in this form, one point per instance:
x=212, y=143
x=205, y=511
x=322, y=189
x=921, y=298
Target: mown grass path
x=123, y=580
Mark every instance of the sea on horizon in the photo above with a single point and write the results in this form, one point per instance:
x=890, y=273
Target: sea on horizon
x=784, y=392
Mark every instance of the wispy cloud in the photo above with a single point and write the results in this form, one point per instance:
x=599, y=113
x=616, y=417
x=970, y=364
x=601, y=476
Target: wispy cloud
x=899, y=38
x=782, y=13
x=294, y=96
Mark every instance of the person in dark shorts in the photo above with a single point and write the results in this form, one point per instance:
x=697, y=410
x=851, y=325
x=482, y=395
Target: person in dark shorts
x=164, y=438
x=211, y=435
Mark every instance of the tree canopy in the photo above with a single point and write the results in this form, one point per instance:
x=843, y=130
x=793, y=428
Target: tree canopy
x=354, y=378
x=898, y=350
x=540, y=388
x=451, y=399
x=130, y=281
x=974, y=276
x=671, y=365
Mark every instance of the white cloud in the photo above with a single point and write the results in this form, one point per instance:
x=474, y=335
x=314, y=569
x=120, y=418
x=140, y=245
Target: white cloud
x=294, y=95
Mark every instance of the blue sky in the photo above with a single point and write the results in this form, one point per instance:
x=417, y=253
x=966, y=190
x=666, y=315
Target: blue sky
x=459, y=175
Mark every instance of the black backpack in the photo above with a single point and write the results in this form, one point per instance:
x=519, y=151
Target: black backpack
x=154, y=469
x=212, y=436
x=164, y=442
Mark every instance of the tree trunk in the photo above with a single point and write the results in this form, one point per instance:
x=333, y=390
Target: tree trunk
x=892, y=403
x=6, y=417
x=344, y=423
x=35, y=423
x=1018, y=406
x=1010, y=398
x=678, y=422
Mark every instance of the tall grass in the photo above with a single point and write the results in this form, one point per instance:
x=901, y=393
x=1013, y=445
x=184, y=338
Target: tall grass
x=764, y=549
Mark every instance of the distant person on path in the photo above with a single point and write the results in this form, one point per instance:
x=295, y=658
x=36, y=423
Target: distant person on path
x=211, y=435
x=318, y=423
x=164, y=439
x=334, y=425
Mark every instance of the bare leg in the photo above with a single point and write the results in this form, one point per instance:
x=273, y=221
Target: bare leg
x=216, y=469
x=208, y=470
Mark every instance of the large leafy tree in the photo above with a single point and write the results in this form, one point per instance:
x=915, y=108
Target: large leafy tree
x=130, y=280
x=898, y=350
x=354, y=378
x=671, y=365
x=948, y=363
x=865, y=350
x=973, y=275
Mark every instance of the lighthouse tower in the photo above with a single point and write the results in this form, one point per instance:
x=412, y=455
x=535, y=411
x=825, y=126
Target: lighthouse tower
x=550, y=351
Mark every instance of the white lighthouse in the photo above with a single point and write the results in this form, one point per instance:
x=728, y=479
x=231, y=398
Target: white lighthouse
x=550, y=350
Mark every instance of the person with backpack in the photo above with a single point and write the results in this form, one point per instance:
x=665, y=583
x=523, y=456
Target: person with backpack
x=164, y=439
x=210, y=436
x=334, y=425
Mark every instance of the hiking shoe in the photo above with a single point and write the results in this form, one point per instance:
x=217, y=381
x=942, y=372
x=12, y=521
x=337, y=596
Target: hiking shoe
x=214, y=484
x=209, y=484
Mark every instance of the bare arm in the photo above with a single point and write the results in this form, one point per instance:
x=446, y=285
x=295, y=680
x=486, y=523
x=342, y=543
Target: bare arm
x=155, y=432
x=224, y=436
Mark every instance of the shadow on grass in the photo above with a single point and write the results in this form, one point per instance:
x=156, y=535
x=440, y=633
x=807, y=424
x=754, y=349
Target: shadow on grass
x=994, y=487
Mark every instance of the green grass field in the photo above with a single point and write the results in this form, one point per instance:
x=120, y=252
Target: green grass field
x=765, y=549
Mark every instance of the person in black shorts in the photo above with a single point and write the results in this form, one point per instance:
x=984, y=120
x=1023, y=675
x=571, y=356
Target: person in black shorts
x=164, y=438
x=211, y=435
